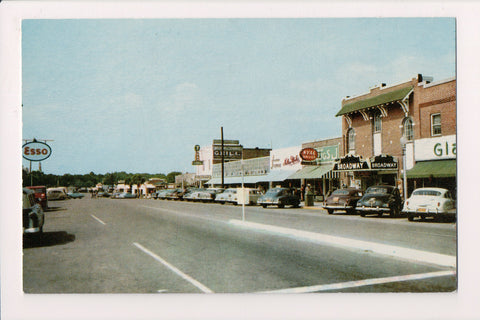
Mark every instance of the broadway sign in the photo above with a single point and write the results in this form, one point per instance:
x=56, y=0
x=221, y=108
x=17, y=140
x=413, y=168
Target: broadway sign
x=351, y=163
x=383, y=162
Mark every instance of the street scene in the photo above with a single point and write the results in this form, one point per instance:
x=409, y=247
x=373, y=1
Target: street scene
x=212, y=157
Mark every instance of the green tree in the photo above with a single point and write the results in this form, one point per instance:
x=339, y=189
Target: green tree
x=171, y=176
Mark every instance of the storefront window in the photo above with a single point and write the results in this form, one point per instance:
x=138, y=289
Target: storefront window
x=436, y=124
x=408, y=129
x=351, y=140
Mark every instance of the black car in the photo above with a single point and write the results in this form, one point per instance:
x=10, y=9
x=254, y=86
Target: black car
x=343, y=199
x=280, y=197
x=380, y=199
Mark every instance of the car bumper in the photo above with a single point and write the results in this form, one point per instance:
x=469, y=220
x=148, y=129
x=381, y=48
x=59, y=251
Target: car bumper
x=430, y=212
x=338, y=207
x=31, y=230
x=373, y=209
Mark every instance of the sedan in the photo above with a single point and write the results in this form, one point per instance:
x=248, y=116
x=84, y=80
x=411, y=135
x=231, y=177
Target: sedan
x=430, y=202
x=229, y=195
x=343, y=199
x=379, y=200
x=75, y=195
x=125, y=195
x=279, y=197
x=33, y=216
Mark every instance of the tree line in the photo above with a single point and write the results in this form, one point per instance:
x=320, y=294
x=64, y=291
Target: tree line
x=39, y=178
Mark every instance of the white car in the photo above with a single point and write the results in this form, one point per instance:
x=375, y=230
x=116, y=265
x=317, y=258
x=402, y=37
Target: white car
x=429, y=202
x=229, y=195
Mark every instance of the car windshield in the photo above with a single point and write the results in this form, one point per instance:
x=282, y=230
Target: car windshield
x=378, y=190
x=427, y=193
x=340, y=192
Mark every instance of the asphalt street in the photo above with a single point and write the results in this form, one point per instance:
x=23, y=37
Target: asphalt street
x=159, y=246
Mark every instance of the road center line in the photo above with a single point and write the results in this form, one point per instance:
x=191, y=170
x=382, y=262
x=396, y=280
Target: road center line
x=174, y=269
x=394, y=251
x=361, y=283
x=98, y=219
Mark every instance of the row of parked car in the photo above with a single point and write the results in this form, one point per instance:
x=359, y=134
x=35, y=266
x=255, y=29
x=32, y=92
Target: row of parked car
x=381, y=199
x=279, y=197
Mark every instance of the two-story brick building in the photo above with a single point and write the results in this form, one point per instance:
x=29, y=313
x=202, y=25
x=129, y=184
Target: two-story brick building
x=387, y=129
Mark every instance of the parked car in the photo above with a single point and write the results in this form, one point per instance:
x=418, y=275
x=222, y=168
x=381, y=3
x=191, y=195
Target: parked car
x=75, y=195
x=343, y=199
x=280, y=197
x=56, y=194
x=125, y=195
x=103, y=194
x=176, y=194
x=162, y=194
x=40, y=195
x=380, y=199
x=430, y=202
x=33, y=216
x=227, y=196
x=204, y=195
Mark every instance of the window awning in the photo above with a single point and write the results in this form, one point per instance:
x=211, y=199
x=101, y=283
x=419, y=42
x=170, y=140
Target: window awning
x=385, y=98
x=312, y=172
x=436, y=169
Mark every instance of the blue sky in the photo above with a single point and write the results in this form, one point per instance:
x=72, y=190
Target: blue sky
x=137, y=95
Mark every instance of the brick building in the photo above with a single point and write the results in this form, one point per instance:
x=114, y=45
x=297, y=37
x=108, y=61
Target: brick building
x=374, y=123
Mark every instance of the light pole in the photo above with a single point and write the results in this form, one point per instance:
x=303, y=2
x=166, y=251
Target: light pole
x=243, y=192
x=403, y=142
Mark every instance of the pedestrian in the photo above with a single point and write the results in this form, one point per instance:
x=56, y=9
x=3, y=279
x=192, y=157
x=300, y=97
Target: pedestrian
x=302, y=192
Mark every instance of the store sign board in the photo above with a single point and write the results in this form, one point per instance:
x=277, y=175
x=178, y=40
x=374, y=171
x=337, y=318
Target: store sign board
x=439, y=148
x=383, y=162
x=308, y=156
x=327, y=154
x=286, y=158
x=351, y=163
x=229, y=152
x=36, y=151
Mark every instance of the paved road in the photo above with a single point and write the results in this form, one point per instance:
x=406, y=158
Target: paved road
x=159, y=246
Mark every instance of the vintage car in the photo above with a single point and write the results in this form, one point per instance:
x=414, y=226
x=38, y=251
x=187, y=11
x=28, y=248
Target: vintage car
x=162, y=194
x=343, y=199
x=227, y=196
x=203, y=195
x=279, y=197
x=75, y=195
x=33, y=216
x=380, y=199
x=125, y=195
x=40, y=195
x=57, y=193
x=430, y=202
x=176, y=194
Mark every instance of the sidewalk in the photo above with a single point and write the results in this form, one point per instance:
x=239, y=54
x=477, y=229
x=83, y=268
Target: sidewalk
x=316, y=205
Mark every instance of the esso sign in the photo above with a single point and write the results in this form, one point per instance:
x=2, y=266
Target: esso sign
x=36, y=151
x=308, y=154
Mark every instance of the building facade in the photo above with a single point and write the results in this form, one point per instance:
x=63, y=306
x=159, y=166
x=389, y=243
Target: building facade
x=382, y=131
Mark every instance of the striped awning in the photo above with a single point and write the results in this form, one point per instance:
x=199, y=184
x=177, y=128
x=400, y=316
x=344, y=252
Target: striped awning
x=313, y=172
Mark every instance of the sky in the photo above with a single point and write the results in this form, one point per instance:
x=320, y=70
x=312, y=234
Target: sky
x=137, y=95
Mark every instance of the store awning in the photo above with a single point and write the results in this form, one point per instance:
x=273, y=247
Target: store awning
x=385, y=98
x=312, y=172
x=277, y=175
x=435, y=169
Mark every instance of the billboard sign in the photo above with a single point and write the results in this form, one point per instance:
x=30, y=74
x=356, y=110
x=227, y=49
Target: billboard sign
x=36, y=151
